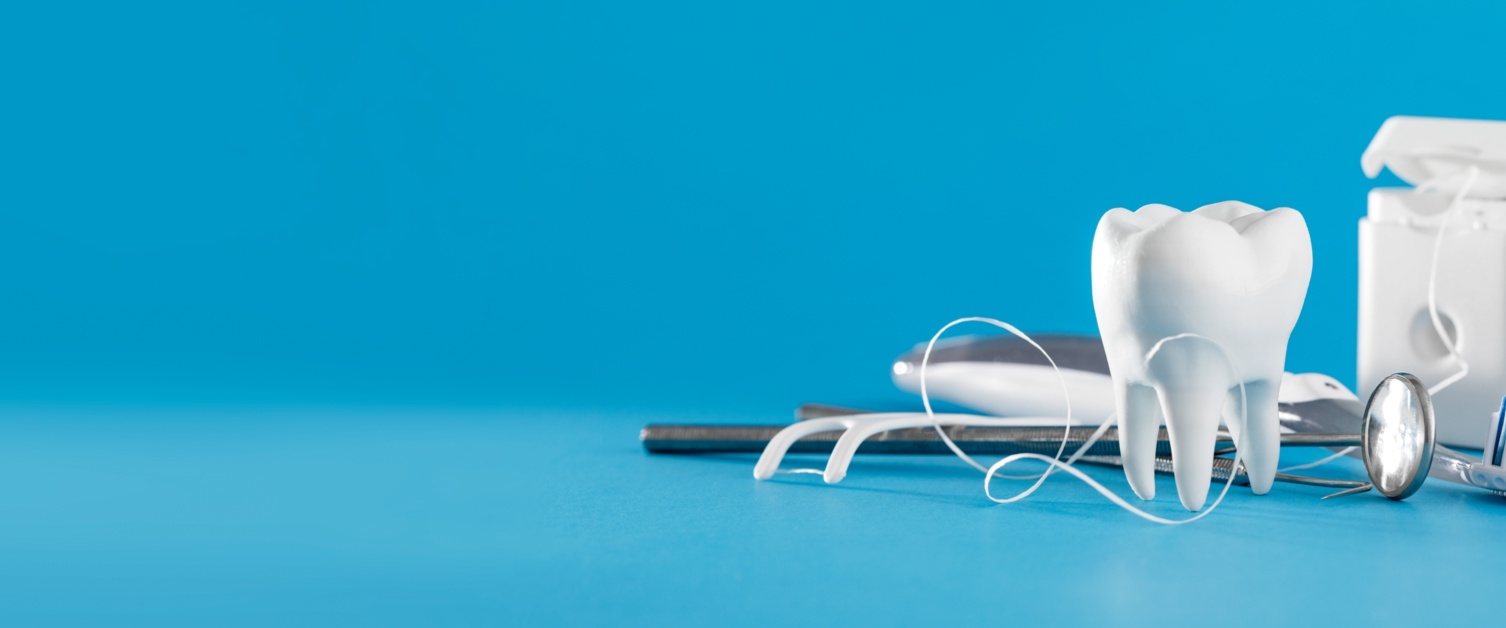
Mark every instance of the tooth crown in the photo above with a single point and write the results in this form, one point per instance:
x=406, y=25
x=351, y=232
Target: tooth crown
x=1229, y=272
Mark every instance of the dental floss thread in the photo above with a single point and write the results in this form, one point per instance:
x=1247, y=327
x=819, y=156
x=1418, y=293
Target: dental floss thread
x=1319, y=462
x=1453, y=351
x=1056, y=462
x=925, y=399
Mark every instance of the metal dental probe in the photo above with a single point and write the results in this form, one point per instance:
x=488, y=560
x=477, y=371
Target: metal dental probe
x=810, y=411
x=1001, y=441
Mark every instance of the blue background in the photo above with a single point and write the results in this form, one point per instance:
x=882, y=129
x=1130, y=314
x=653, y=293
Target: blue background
x=330, y=312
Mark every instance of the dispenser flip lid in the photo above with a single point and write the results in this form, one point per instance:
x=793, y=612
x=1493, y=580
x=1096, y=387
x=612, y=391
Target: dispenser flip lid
x=1439, y=152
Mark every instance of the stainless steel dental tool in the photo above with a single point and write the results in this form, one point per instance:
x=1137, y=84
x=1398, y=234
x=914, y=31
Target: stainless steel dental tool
x=1393, y=434
x=974, y=440
x=1397, y=424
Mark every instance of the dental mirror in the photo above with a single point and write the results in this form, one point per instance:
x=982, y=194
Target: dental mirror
x=1396, y=437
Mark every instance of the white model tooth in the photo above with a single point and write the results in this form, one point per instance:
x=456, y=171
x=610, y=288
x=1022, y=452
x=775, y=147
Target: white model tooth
x=1229, y=272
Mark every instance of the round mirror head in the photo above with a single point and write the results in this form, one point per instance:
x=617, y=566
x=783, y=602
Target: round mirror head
x=1397, y=435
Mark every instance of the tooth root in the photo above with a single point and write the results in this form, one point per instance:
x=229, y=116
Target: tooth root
x=1260, y=443
x=1231, y=412
x=1192, y=426
x=1139, y=426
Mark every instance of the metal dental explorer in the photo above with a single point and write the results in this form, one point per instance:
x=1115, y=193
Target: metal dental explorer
x=693, y=439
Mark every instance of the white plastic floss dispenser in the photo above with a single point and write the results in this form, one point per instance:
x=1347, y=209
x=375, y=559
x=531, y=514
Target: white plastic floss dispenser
x=1438, y=156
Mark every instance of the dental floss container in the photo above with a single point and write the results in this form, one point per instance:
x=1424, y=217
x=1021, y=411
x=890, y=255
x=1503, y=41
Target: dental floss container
x=1397, y=237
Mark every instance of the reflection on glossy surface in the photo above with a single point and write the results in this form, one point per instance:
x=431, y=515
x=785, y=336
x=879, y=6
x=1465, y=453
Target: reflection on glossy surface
x=1398, y=436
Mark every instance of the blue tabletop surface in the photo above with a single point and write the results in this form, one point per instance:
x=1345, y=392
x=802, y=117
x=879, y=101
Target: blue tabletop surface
x=341, y=516
x=349, y=313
